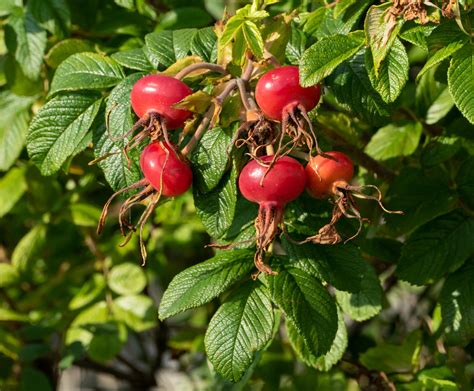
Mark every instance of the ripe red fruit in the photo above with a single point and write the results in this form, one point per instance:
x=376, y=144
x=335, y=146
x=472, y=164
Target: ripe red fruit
x=279, y=90
x=283, y=183
x=157, y=94
x=323, y=173
x=272, y=187
x=164, y=170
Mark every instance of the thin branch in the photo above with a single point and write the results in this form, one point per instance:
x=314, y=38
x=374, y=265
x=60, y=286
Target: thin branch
x=195, y=67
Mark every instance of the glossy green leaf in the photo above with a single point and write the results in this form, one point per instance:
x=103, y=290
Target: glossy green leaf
x=340, y=265
x=437, y=248
x=138, y=312
x=216, y=208
x=210, y=159
x=327, y=361
x=296, y=46
x=27, y=40
x=393, y=73
x=365, y=303
x=241, y=327
x=457, y=311
x=395, y=140
x=133, y=59
x=12, y=187
x=306, y=303
x=86, y=71
x=204, y=44
x=14, y=118
x=52, y=15
x=59, y=127
x=253, y=37
x=380, y=34
x=440, y=149
x=65, y=48
x=168, y=46
x=351, y=86
x=441, y=55
x=127, y=279
x=461, y=80
x=203, y=282
x=391, y=358
x=324, y=56
x=109, y=137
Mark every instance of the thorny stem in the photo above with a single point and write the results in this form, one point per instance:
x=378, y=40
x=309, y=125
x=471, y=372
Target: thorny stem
x=195, y=67
x=203, y=126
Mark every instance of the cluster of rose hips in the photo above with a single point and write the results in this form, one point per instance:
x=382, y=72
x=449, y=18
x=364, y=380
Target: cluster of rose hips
x=277, y=126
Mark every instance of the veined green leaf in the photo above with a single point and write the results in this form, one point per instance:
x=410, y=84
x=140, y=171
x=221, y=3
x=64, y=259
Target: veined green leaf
x=395, y=140
x=86, y=71
x=457, y=311
x=53, y=15
x=241, y=327
x=203, y=282
x=168, y=46
x=461, y=80
x=12, y=186
x=437, y=248
x=306, y=303
x=59, y=127
x=380, y=33
x=324, y=56
x=393, y=72
x=133, y=59
x=27, y=40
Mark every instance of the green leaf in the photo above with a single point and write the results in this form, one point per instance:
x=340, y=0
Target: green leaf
x=168, y=46
x=96, y=314
x=340, y=265
x=351, y=86
x=110, y=141
x=417, y=35
x=216, y=208
x=33, y=379
x=59, y=127
x=92, y=289
x=133, y=59
x=393, y=72
x=437, y=248
x=296, y=46
x=307, y=305
x=461, y=80
x=84, y=215
x=457, y=311
x=203, y=282
x=253, y=37
x=204, y=44
x=27, y=249
x=27, y=40
x=184, y=17
x=210, y=159
x=7, y=6
x=137, y=311
x=127, y=279
x=107, y=341
x=12, y=187
x=441, y=55
x=440, y=149
x=242, y=326
x=65, y=48
x=380, y=34
x=367, y=302
x=395, y=140
x=327, y=361
x=53, y=15
x=8, y=275
x=421, y=195
x=391, y=358
x=438, y=378
x=86, y=71
x=324, y=56
x=464, y=181
x=441, y=106
x=14, y=118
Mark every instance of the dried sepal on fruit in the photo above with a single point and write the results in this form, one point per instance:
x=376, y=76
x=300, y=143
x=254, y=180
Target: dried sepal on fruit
x=166, y=173
x=331, y=178
x=271, y=188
